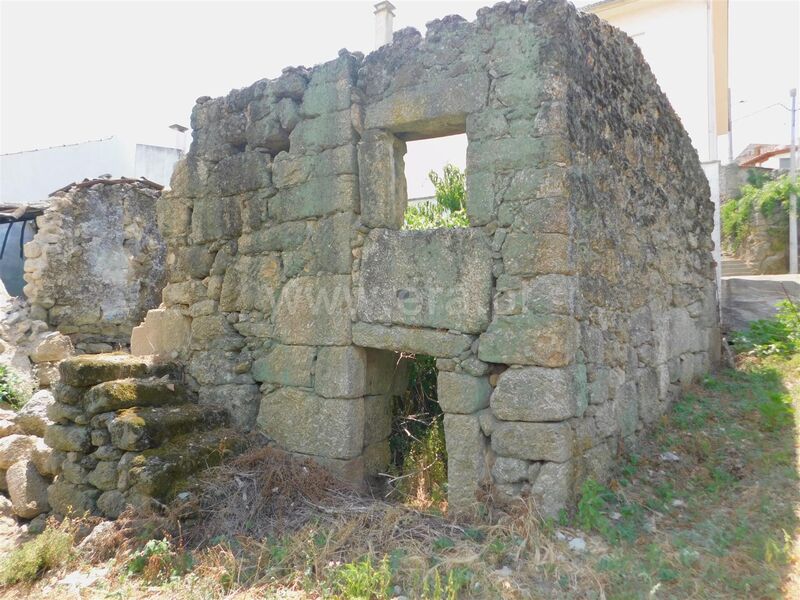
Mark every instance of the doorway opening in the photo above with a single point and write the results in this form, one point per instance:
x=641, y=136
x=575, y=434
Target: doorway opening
x=418, y=467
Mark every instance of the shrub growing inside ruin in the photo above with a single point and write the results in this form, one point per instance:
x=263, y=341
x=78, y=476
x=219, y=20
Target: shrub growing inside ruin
x=448, y=210
x=418, y=448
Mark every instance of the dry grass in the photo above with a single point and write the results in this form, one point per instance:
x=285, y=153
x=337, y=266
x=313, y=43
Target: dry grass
x=717, y=523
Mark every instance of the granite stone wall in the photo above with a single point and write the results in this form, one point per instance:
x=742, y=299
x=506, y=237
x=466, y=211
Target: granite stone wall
x=577, y=304
x=96, y=263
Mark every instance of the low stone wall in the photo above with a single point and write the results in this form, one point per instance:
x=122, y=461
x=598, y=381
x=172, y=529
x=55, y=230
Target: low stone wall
x=96, y=263
x=564, y=320
x=126, y=431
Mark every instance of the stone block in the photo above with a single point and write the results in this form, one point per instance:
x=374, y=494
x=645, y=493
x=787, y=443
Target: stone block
x=376, y=458
x=128, y=393
x=320, y=133
x=51, y=347
x=530, y=339
x=163, y=332
x=545, y=216
x=330, y=244
x=70, y=499
x=533, y=441
x=433, y=109
x=104, y=476
x=396, y=286
x=89, y=370
x=317, y=197
x=466, y=461
x=387, y=372
x=27, y=490
x=111, y=504
x=552, y=489
x=215, y=218
x=69, y=438
x=250, y=283
x=539, y=254
x=32, y=417
x=540, y=394
x=300, y=421
x=411, y=340
x=377, y=418
x=509, y=470
x=340, y=372
x=286, y=365
x=461, y=393
x=382, y=179
x=240, y=401
x=315, y=311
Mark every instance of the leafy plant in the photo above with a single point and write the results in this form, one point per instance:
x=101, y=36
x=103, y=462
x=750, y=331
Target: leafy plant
x=49, y=550
x=776, y=411
x=157, y=562
x=448, y=209
x=10, y=391
x=362, y=580
x=762, y=194
x=434, y=588
x=778, y=336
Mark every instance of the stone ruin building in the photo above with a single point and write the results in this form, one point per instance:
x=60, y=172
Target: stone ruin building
x=564, y=319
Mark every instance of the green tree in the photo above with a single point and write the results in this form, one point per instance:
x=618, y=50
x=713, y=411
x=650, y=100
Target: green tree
x=448, y=210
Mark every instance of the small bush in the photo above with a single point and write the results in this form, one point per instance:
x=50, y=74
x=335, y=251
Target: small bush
x=362, y=580
x=10, y=388
x=51, y=549
x=158, y=562
x=778, y=336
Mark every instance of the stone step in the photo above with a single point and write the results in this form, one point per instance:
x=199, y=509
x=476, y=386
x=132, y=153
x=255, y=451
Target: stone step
x=136, y=429
x=128, y=393
x=161, y=472
x=90, y=369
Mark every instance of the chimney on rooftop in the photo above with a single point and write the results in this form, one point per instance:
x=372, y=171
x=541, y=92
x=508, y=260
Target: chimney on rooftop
x=384, y=22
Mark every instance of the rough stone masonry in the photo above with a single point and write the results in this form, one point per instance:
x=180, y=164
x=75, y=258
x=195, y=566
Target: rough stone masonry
x=565, y=319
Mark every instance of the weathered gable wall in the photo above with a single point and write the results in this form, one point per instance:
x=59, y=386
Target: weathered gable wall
x=96, y=263
x=564, y=319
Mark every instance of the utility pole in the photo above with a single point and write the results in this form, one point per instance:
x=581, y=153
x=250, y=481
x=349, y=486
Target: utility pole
x=793, y=195
x=730, y=129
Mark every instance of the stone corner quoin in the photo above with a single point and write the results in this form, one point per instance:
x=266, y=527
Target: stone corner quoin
x=569, y=314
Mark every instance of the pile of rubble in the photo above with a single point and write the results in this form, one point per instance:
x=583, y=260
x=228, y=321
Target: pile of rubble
x=27, y=464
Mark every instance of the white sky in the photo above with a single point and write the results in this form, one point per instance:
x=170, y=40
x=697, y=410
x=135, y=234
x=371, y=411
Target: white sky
x=73, y=71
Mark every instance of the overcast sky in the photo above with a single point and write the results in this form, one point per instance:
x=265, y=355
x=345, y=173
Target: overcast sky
x=73, y=71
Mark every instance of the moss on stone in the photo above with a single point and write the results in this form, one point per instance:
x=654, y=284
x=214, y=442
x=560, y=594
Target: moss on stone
x=162, y=472
x=127, y=393
x=90, y=369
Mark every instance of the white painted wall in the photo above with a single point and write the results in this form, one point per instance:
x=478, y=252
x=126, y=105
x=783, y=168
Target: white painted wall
x=27, y=177
x=155, y=163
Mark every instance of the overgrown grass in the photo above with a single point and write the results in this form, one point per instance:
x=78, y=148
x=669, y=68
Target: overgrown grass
x=703, y=508
x=766, y=337
x=49, y=550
